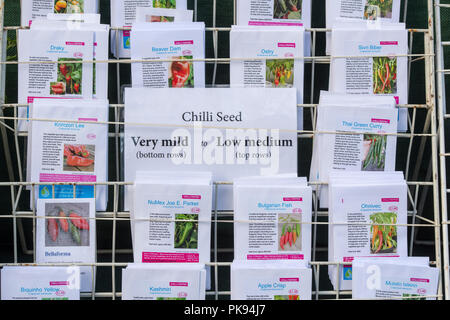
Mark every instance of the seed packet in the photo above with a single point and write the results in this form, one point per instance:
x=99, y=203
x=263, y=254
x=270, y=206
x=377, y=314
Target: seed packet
x=171, y=217
x=163, y=281
x=40, y=283
x=165, y=41
x=270, y=280
x=338, y=147
x=60, y=80
x=371, y=61
x=69, y=151
x=35, y=9
x=394, y=279
x=100, y=45
x=123, y=14
x=65, y=232
x=272, y=219
x=368, y=216
x=286, y=68
x=231, y=132
x=361, y=10
x=296, y=13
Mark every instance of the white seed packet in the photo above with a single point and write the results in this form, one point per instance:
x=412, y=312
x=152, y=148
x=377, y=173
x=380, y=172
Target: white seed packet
x=66, y=232
x=368, y=216
x=161, y=203
x=296, y=13
x=275, y=280
x=165, y=41
x=394, y=279
x=338, y=147
x=53, y=80
x=286, y=68
x=272, y=219
x=163, y=15
x=40, y=283
x=360, y=10
x=124, y=14
x=35, y=9
x=231, y=132
x=100, y=45
x=69, y=151
x=178, y=281
x=368, y=62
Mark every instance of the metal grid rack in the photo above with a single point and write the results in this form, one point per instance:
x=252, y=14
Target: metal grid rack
x=442, y=44
x=419, y=145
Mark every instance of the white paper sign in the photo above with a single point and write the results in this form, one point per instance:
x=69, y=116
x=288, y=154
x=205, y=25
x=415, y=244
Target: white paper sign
x=230, y=132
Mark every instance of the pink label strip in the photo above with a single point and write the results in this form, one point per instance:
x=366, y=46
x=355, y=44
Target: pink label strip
x=178, y=43
x=166, y=257
x=389, y=43
x=289, y=280
x=59, y=283
x=275, y=257
x=293, y=199
x=390, y=200
x=70, y=43
x=271, y=23
x=178, y=284
x=381, y=121
x=88, y=119
x=286, y=45
x=49, y=177
x=420, y=280
x=191, y=197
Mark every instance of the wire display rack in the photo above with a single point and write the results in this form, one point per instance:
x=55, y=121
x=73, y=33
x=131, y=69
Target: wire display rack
x=418, y=146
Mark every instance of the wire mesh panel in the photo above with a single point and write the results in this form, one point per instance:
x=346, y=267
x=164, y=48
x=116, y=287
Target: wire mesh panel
x=442, y=14
x=416, y=156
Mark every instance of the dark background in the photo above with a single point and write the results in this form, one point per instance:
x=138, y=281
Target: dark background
x=416, y=18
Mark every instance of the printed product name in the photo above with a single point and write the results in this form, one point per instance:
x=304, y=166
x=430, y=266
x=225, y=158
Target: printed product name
x=371, y=47
x=274, y=205
x=359, y=125
x=57, y=254
x=370, y=206
x=160, y=290
x=39, y=290
x=401, y=284
x=63, y=125
x=166, y=49
x=271, y=286
x=56, y=48
x=172, y=203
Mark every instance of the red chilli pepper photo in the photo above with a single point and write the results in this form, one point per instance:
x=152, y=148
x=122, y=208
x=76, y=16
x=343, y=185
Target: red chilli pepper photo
x=64, y=224
x=78, y=221
x=52, y=227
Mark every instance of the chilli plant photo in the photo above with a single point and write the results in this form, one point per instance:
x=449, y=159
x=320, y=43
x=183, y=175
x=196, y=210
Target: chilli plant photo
x=186, y=231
